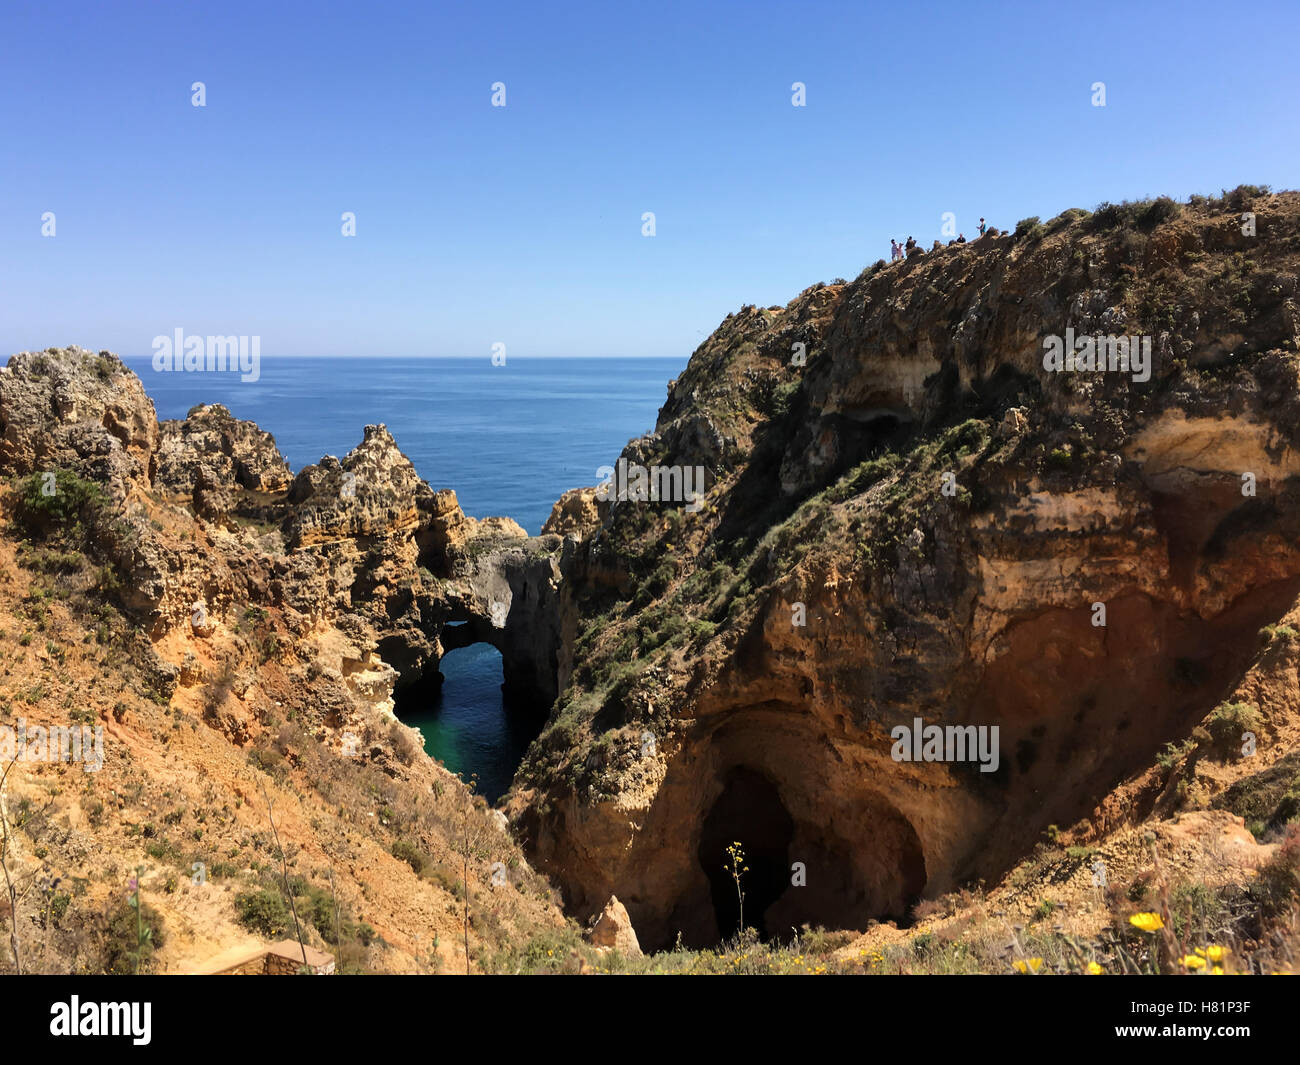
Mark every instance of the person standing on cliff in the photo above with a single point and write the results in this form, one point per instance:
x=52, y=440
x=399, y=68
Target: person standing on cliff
x=895, y=252
x=982, y=227
x=910, y=244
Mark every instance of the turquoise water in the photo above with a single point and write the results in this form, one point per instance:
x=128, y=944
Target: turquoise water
x=466, y=726
x=509, y=439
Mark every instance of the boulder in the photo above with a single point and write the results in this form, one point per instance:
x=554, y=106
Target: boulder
x=613, y=929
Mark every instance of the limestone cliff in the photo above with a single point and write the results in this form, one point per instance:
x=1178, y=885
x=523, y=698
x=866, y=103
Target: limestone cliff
x=240, y=634
x=909, y=517
x=903, y=514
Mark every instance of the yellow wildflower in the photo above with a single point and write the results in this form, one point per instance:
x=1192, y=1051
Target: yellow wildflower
x=1148, y=922
x=1215, y=953
x=1191, y=961
x=1031, y=965
x=1094, y=969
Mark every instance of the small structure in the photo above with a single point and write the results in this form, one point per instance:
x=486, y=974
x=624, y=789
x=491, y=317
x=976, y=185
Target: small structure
x=279, y=959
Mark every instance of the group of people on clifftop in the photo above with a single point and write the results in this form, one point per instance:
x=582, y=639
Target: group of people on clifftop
x=900, y=251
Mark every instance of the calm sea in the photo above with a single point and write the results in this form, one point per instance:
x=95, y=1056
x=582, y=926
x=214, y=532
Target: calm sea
x=509, y=439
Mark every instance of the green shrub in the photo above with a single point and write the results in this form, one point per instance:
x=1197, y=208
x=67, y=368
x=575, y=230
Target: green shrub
x=1173, y=753
x=1278, y=882
x=410, y=854
x=320, y=910
x=1228, y=723
x=1156, y=212
x=1278, y=632
x=64, y=503
x=1109, y=215
x=59, y=906
x=1142, y=214
x=1241, y=198
x=1029, y=229
x=702, y=630
x=1065, y=218
x=264, y=912
x=121, y=938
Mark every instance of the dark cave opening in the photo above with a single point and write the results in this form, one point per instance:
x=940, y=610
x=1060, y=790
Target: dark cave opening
x=749, y=812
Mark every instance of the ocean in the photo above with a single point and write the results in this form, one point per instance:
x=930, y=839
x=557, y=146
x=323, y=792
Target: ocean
x=509, y=439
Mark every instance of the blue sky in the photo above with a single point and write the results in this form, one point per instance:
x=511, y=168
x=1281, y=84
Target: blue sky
x=522, y=224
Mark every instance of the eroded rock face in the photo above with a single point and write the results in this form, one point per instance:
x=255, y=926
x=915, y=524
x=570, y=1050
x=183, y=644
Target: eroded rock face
x=575, y=513
x=374, y=491
x=234, y=453
x=921, y=523
x=357, y=556
x=73, y=409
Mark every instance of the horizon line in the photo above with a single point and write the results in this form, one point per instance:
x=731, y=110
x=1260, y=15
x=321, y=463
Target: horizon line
x=449, y=358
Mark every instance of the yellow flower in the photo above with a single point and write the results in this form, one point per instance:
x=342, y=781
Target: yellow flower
x=1215, y=953
x=1191, y=961
x=1031, y=965
x=1217, y=970
x=1094, y=969
x=1148, y=922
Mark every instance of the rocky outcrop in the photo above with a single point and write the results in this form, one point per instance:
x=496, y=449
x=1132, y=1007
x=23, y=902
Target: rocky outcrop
x=374, y=491
x=576, y=513
x=214, y=446
x=914, y=520
x=508, y=593
x=358, y=556
x=70, y=408
x=613, y=930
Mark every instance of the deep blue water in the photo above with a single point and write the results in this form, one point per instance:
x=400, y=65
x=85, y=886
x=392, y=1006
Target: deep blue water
x=509, y=439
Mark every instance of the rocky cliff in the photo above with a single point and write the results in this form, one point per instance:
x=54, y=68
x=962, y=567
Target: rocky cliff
x=903, y=514
x=910, y=517
x=234, y=628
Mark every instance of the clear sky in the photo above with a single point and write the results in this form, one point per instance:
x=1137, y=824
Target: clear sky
x=523, y=225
